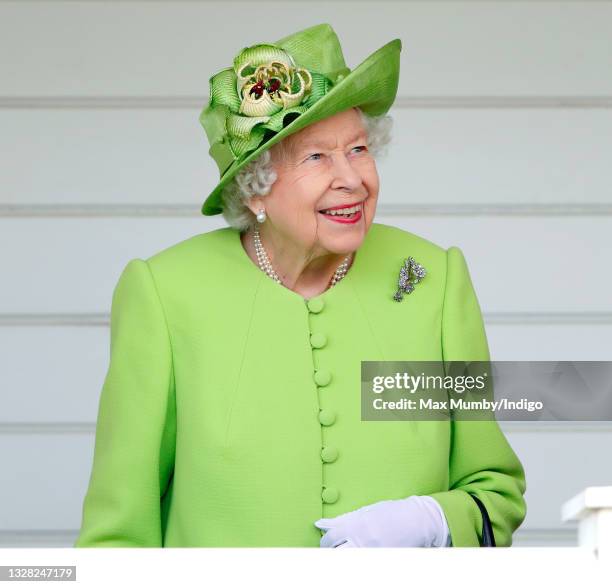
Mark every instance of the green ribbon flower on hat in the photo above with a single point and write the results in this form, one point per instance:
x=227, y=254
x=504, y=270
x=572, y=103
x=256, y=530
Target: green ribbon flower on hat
x=272, y=86
x=256, y=94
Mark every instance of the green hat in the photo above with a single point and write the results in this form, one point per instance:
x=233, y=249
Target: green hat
x=275, y=89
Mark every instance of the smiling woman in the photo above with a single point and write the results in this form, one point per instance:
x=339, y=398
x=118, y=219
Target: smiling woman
x=258, y=176
x=231, y=410
x=319, y=201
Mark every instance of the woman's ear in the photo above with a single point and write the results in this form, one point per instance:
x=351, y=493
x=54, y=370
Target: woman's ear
x=255, y=203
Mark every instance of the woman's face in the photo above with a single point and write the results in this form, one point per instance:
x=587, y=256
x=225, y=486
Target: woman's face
x=325, y=165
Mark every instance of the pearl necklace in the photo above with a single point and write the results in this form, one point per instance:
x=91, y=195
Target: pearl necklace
x=266, y=266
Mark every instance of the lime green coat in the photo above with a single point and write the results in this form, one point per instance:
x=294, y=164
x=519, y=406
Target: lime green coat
x=223, y=388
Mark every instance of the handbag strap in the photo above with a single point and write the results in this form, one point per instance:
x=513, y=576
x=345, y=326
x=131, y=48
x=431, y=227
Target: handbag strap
x=488, y=538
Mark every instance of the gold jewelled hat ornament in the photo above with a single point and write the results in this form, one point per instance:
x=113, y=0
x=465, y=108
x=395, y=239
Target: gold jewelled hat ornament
x=275, y=89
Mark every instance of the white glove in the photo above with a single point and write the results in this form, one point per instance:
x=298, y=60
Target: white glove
x=417, y=520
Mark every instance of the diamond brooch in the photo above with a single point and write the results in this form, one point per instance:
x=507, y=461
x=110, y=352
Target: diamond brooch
x=410, y=274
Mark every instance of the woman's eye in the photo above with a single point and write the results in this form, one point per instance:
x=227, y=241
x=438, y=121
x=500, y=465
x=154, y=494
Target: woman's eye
x=319, y=155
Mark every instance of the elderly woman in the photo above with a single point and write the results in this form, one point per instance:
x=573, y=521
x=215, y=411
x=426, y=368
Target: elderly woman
x=231, y=410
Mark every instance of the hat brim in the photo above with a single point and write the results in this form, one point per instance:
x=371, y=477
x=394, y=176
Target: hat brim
x=372, y=86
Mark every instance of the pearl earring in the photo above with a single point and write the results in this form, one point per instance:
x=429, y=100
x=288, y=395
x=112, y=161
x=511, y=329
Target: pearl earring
x=261, y=216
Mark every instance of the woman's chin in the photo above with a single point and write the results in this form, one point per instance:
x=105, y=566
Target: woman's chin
x=342, y=244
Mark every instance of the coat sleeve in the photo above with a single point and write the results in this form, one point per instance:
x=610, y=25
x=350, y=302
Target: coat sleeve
x=481, y=459
x=136, y=431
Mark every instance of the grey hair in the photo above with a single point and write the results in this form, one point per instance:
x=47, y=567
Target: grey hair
x=257, y=176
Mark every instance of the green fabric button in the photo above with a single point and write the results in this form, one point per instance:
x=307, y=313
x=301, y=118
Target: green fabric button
x=329, y=454
x=322, y=377
x=327, y=417
x=330, y=495
x=318, y=340
x=315, y=305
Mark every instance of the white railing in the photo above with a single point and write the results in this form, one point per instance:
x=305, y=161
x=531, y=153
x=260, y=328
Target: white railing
x=592, y=508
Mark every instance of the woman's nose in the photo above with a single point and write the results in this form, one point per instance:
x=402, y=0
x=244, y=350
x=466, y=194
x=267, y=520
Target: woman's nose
x=345, y=176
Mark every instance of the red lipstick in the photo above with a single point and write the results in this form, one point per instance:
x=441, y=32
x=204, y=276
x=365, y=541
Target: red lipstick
x=343, y=219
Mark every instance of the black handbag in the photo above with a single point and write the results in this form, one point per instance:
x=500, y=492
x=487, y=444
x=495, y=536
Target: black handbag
x=488, y=538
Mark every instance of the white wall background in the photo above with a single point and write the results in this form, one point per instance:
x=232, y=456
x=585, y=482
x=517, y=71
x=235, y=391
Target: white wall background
x=503, y=146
